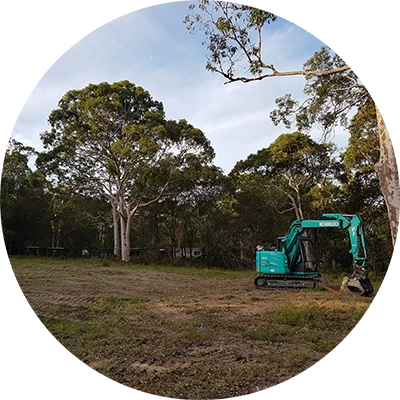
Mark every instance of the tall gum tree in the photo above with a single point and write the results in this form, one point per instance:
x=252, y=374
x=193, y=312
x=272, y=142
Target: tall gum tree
x=112, y=140
x=233, y=36
x=292, y=165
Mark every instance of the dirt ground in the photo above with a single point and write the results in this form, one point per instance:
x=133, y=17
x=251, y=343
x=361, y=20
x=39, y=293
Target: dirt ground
x=192, y=335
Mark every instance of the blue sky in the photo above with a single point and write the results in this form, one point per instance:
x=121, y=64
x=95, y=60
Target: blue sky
x=152, y=48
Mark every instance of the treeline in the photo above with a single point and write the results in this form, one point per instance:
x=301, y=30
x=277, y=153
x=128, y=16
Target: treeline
x=117, y=179
x=220, y=219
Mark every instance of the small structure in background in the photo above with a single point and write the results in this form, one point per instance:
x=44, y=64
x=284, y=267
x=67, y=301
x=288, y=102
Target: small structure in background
x=167, y=253
x=189, y=252
x=33, y=250
x=47, y=251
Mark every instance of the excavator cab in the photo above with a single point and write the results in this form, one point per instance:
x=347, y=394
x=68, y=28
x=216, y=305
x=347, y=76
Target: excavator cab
x=306, y=260
x=280, y=243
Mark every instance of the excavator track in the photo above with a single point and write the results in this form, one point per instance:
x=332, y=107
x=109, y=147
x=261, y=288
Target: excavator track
x=271, y=282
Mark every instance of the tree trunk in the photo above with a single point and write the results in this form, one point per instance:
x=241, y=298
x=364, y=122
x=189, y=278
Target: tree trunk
x=53, y=236
x=388, y=175
x=58, y=235
x=117, y=247
x=127, y=241
x=124, y=249
x=241, y=250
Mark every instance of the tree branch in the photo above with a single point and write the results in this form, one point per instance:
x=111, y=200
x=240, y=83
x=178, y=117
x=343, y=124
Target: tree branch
x=276, y=73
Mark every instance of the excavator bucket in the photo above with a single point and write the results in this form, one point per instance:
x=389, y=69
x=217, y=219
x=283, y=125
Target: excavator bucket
x=359, y=287
x=353, y=286
x=359, y=283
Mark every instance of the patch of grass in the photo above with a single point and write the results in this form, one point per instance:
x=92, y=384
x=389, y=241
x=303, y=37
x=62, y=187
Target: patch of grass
x=108, y=303
x=326, y=346
x=66, y=329
x=270, y=333
x=275, y=364
x=197, y=336
x=306, y=325
x=310, y=335
x=74, y=313
x=191, y=270
x=296, y=360
x=255, y=370
x=172, y=349
x=301, y=317
x=105, y=262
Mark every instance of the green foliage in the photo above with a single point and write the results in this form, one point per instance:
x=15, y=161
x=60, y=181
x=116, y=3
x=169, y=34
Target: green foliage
x=232, y=33
x=117, y=132
x=292, y=165
x=24, y=201
x=363, y=148
x=333, y=90
x=113, y=141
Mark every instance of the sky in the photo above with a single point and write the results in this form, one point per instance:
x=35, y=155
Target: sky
x=152, y=48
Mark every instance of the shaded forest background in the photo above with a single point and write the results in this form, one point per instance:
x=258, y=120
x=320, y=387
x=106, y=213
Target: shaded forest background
x=225, y=216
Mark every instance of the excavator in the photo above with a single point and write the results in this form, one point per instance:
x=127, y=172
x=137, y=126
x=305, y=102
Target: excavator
x=294, y=263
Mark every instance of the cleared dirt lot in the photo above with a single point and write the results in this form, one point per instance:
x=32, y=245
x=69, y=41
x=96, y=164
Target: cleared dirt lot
x=184, y=332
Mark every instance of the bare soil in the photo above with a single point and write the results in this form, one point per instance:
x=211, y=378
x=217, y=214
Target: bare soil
x=184, y=334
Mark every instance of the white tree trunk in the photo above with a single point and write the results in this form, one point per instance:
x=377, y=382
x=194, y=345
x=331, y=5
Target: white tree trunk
x=388, y=175
x=127, y=238
x=125, y=243
x=117, y=247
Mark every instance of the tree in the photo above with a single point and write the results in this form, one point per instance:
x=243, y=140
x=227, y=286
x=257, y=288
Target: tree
x=24, y=202
x=113, y=140
x=293, y=165
x=233, y=34
x=254, y=200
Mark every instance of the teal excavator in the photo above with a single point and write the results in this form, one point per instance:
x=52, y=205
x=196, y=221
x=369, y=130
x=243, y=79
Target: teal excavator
x=294, y=263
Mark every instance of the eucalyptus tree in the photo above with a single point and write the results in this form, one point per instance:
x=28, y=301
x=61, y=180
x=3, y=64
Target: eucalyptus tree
x=112, y=140
x=233, y=36
x=292, y=165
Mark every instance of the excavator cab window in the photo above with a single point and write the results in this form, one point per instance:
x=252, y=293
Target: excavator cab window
x=306, y=260
x=280, y=244
x=309, y=255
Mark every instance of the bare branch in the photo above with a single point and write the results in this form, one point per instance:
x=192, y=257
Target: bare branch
x=158, y=197
x=276, y=73
x=284, y=211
